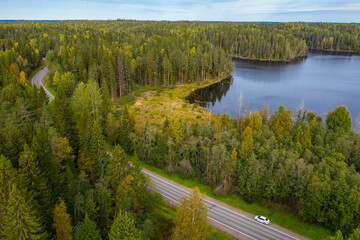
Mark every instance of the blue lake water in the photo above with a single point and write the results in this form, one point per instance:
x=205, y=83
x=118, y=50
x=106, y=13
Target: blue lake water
x=323, y=81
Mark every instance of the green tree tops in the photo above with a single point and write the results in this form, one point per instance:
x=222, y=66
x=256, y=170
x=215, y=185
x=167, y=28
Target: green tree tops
x=339, y=118
x=87, y=230
x=124, y=228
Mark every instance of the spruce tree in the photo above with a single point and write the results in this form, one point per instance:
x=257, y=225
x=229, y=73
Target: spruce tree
x=21, y=221
x=3, y=141
x=69, y=188
x=118, y=167
x=62, y=118
x=87, y=230
x=124, y=228
x=32, y=179
x=29, y=131
x=106, y=98
x=15, y=145
x=97, y=153
x=44, y=158
x=7, y=177
x=127, y=124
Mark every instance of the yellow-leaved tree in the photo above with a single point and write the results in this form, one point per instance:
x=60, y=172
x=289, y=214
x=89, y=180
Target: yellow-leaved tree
x=62, y=222
x=247, y=142
x=255, y=121
x=191, y=217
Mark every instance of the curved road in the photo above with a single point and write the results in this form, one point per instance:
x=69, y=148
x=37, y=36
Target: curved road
x=37, y=79
x=222, y=216
x=240, y=226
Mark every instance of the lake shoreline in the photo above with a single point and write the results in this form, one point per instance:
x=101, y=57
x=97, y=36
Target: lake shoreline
x=296, y=59
x=299, y=58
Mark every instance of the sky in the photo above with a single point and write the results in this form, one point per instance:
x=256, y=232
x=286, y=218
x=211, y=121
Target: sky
x=198, y=10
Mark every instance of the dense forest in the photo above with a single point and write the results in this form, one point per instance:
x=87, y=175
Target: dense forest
x=56, y=172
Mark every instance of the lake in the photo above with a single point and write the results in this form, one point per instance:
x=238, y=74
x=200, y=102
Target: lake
x=322, y=81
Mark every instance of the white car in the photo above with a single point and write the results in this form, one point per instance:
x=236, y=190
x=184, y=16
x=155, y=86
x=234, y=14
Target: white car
x=262, y=219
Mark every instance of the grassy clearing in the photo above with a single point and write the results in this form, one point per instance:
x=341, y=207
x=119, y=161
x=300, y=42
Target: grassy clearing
x=153, y=105
x=277, y=214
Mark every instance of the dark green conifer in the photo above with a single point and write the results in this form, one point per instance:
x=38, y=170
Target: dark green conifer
x=7, y=177
x=87, y=230
x=127, y=123
x=33, y=180
x=15, y=145
x=21, y=221
x=62, y=118
x=28, y=131
x=45, y=160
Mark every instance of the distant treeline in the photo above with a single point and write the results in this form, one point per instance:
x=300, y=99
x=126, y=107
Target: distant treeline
x=127, y=53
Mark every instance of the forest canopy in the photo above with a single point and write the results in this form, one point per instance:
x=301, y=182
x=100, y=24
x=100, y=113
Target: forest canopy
x=55, y=168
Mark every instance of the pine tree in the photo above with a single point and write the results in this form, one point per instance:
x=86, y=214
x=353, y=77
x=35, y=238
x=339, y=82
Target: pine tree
x=124, y=228
x=21, y=221
x=191, y=217
x=87, y=230
x=62, y=222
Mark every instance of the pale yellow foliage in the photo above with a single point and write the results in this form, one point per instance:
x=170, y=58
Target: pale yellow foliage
x=191, y=218
x=255, y=121
x=247, y=143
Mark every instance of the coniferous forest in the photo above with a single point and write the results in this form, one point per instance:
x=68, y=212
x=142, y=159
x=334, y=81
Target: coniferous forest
x=58, y=179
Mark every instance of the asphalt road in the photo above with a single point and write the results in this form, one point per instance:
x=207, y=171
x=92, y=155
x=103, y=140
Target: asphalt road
x=219, y=214
x=37, y=79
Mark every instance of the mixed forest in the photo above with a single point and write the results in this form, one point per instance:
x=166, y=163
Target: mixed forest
x=59, y=181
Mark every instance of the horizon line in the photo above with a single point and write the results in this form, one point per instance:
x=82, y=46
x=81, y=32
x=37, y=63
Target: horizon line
x=138, y=20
